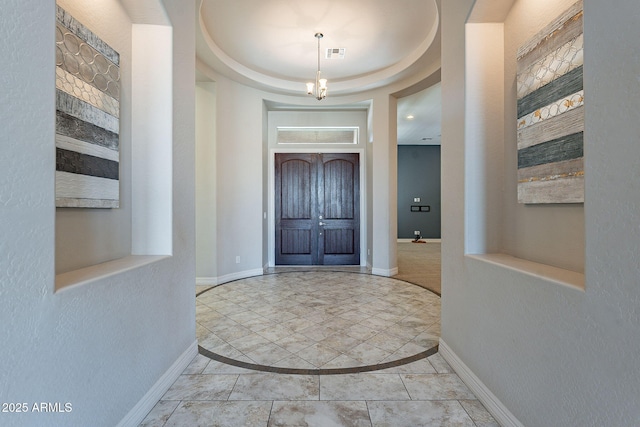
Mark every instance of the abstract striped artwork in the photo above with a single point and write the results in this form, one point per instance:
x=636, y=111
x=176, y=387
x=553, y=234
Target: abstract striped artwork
x=87, y=117
x=550, y=120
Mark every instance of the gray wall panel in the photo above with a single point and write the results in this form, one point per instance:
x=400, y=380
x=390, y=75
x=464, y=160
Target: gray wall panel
x=419, y=176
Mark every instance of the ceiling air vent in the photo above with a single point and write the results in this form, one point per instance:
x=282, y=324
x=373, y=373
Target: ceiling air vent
x=335, y=53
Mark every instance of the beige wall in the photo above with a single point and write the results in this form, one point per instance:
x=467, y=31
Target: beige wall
x=206, y=191
x=239, y=172
x=106, y=344
x=550, y=354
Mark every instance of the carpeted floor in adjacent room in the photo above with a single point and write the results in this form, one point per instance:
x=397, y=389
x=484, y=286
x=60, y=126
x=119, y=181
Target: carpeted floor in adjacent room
x=419, y=263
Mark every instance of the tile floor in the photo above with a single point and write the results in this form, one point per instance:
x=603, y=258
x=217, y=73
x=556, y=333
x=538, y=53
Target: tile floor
x=318, y=321
x=424, y=392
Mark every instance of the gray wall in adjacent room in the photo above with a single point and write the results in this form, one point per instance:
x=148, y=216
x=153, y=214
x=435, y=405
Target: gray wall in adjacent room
x=419, y=176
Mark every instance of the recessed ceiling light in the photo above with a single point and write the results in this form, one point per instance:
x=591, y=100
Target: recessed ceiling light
x=410, y=117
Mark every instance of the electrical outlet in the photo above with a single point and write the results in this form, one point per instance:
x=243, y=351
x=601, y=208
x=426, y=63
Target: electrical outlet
x=416, y=200
x=238, y=259
x=416, y=233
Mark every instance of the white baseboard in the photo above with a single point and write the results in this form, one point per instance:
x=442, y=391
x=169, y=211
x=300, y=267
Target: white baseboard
x=500, y=412
x=214, y=281
x=149, y=400
x=240, y=275
x=206, y=281
x=384, y=272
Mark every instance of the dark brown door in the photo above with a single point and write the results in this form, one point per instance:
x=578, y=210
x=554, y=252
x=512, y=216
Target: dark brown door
x=317, y=209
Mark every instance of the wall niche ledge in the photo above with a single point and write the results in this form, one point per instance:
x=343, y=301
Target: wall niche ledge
x=548, y=273
x=94, y=273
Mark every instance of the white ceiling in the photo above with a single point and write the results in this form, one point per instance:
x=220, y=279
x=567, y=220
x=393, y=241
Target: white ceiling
x=270, y=45
x=424, y=127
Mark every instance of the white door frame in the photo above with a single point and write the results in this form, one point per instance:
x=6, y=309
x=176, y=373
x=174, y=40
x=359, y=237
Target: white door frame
x=271, y=214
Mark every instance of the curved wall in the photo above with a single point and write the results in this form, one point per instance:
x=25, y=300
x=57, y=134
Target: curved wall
x=242, y=165
x=545, y=351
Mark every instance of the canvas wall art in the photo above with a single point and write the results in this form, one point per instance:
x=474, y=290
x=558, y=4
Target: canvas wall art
x=87, y=117
x=550, y=121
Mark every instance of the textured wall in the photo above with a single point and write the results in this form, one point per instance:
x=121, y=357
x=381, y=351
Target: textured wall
x=99, y=346
x=556, y=355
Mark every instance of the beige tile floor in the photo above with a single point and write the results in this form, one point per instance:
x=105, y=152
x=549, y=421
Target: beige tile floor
x=425, y=392
x=318, y=320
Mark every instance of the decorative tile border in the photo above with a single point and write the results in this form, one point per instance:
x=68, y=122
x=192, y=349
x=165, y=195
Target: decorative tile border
x=317, y=371
x=332, y=371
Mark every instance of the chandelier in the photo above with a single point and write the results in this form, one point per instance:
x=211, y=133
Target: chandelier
x=319, y=89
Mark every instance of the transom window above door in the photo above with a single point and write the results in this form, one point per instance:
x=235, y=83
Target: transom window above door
x=316, y=135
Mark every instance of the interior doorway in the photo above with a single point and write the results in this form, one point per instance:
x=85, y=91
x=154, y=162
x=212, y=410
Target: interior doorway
x=317, y=209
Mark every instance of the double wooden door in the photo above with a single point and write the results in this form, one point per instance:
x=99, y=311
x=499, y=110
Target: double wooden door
x=317, y=208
